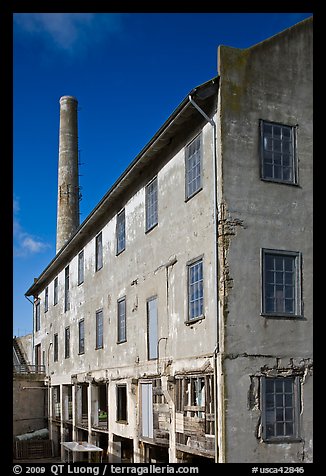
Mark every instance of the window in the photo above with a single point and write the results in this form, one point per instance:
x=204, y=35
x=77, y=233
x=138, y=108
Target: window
x=38, y=354
x=193, y=167
x=122, y=328
x=152, y=328
x=55, y=347
x=121, y=232
x=81, y=337
x=55, y=291
x=281, y=283
x=195, y=290
x=46, y=299
x=67, y=297
x=99, y=329
x=151, y=204
x=81, y=267
x=147, y=410
x=277, y=153
x=122, y=403
x=280, y=408
x=37, y=316
x=67, y=342
x=98, y=252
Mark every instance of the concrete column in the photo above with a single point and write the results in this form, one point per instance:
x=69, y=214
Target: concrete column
x=50, y=412
x=95, y=404
x=68, y=188
x=172, y=433
x=62, y=430
x=89, y=412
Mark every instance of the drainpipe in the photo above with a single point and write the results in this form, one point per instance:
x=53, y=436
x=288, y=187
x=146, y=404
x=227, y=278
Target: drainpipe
x=217, y=408
x=33, y=352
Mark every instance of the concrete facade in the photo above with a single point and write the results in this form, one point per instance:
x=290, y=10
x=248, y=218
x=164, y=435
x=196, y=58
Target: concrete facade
x=201, y=396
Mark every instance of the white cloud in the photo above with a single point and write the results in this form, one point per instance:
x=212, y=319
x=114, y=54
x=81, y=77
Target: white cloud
x=24, y=243
x=70, y=32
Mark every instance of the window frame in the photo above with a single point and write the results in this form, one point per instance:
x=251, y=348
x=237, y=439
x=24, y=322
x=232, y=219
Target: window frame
x=119, y=224
x=55, y=347
x=46, y=299
x=298, y=305
x=67, y=342
x=67, y=289
x=37, y=316
x=296, y=406
x=121, y=411
x=190, y=264
x=149, y=355
x=81, y=263
x=98, y=252
x=150, y=226
x=55, y=290
x=188, y=195
x=99, y=341
x=293, y=156
x=119, y=340
x=81, y=339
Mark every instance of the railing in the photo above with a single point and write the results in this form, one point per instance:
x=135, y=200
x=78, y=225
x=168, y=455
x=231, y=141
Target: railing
x=29, y=369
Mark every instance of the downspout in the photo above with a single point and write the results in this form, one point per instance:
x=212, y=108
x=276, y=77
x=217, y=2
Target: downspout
x=215, y=284
x=33, y=353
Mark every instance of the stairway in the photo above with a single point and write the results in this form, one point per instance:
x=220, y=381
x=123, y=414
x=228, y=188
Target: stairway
x=19, y=358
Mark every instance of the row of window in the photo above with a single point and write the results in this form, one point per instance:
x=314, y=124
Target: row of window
x=281, y=290
x=280, y=405
x=278, y=163
x=152, y=330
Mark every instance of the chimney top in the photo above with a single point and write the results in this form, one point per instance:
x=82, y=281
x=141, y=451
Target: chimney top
x=68, y=98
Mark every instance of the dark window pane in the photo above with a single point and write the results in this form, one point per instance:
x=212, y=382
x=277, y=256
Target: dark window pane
x=288, y=400
x=289, y=429
x=279, y=429
x=288, y=414
x=288, y=385
x=279, y=385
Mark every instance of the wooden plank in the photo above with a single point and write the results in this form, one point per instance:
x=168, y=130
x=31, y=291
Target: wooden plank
x=194, y=408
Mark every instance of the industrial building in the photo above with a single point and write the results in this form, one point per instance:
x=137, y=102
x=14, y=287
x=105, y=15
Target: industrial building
x=175, y=322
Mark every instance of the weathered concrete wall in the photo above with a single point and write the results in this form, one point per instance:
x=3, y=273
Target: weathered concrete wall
x=270, y=81
x=29, y=404
x=153, y=264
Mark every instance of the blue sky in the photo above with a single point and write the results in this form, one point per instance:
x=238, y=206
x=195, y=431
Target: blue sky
x=129, y=71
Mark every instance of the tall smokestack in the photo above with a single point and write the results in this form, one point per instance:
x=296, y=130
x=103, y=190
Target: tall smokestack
x=68, y=188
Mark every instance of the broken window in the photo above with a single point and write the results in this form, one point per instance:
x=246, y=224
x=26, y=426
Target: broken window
x=121, y=232
x=81, y=267
x=193, y=167
x=152, y=328
x=195, y=290
x=122, y=403
x=98, y=252
x=99, y=329
x=278, y=152
x=280, y=408
x=122, y=327
x=151, y=204
x=67, y=296
x=81, y=330
x=281, y=283
x=195, y=399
